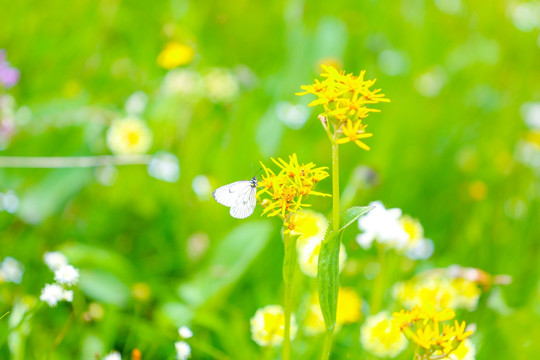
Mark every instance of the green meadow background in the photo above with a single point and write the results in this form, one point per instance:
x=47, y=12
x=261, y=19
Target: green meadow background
x=448, y=159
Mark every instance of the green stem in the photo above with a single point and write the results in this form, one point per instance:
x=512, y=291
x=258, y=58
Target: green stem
x=378, y=287
x=327, y=345
x=328, y=338
x=289, y=265
x=335, y=185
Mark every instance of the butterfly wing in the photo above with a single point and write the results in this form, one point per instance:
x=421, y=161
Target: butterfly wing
x=229, y=194
x=245, y=204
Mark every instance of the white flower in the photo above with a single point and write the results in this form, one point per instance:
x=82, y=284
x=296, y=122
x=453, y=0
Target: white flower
x=268, y=326
x=185, y=332
x=201, y=187
x=294, y=116
x=186, y=84
x=183, y=350
x=221, y=85
x=52, y=294
x=67, y=275
x=164, y=166
x=11, y=270
x=55, y=260
x=129, y=136
x=381, y=225
x=9, y=202
x=115, y=355
x=136, y=103
x=531, y=114
x=422, y=249
x=381, y=336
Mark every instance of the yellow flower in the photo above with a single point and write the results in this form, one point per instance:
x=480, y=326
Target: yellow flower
x=175, y=54
x=268, y=326
x=423, y=327
x=288, y=189
x=129, y=136
x=354, y=133
x=343, y=96
x=381, y=336
x=349, y=310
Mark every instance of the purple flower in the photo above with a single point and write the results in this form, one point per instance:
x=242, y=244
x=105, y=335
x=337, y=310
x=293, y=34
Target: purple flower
x=9, y=76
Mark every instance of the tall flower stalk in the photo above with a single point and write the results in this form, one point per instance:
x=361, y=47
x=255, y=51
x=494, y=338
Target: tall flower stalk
x=283, y=195
x=344, y=98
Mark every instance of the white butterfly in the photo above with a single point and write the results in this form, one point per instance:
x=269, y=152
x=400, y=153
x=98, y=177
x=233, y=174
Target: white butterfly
x=239, y=196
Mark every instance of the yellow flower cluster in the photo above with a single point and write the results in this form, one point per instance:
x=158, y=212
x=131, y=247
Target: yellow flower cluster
x=349, y=310
x=436, y=288
x=423, y=327
x=289, y=188
x=344, y=98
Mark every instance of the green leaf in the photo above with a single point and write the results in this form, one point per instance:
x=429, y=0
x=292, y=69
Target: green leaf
x=230, y=260
x=104, y=287
x=328, y=267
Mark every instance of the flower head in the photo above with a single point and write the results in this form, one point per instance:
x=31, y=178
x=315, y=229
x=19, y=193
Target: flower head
x=185, y=332
x=287, y=190
x=9, y=76
x=11, y=270
x=175, y=54
x=114, y=355
x=129, y=136
x=67, y=275
x=52, y=294
x=344, y=98
x=55, y=260
x=183, y=350
x=268, y=326
x=423, y=327
x=382, y=337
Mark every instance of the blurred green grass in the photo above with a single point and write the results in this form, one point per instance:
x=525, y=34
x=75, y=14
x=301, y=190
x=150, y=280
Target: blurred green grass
x=426, y=151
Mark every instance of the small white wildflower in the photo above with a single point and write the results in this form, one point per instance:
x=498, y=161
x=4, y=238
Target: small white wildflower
x=55, y=260
x=164, y=166
x=185, y=332
x=11, y=270
x=294, y=116
x=221, y=85
x=186, y=84
x=115, y=355
x=10, y=202
x=67, y=295
x=201, y=187
x=52, y=294
x=531, y=114
x=136, y=103
x=382, y=225
x=67, y=275
x=183, y=350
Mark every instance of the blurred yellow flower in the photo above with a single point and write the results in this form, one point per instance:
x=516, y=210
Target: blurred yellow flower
x=267, y=326
x=289, y=188
x=436, y=289
x=381, y=336
x=349, y=310
x=175, y=54
x=129, y=136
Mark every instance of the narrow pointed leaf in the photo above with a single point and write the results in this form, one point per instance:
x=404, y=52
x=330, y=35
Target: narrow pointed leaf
x=328, y=267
